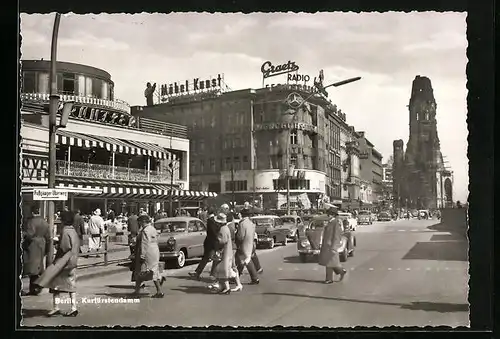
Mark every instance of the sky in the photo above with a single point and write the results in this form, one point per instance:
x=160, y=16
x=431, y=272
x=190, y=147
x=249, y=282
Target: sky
x=386, y=49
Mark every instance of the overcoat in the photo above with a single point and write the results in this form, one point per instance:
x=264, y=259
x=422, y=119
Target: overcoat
x=147, y=256
x=245, y=240
x=35, y=245
x=225, y=267
x=331, y=243
x=67, y=254
x=210, y=243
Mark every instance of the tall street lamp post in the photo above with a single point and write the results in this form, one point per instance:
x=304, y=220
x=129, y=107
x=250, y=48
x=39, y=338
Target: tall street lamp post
x=53, y=106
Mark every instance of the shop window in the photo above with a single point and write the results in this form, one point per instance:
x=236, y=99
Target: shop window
x=240, y=185
x=29, y=82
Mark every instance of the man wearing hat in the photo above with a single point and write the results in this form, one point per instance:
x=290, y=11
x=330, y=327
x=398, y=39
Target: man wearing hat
x=209, y=246
x=96, y=228
x=330, y=245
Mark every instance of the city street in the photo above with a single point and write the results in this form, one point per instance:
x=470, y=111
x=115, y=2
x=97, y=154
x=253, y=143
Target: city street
x=402, y=274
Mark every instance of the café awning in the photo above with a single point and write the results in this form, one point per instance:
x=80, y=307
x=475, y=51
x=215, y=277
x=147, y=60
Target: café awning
x=64, y=137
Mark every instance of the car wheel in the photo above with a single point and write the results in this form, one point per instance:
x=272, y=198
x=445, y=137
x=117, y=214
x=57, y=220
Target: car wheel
x=343, y=255
x=181, y=259
x=271, y=243
x=303, y=257
x=285, y=242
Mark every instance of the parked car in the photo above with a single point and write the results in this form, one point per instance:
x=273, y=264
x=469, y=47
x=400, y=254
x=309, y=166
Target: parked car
x=352, y=222
x=292, y=222
x=364, y=217
x=270, y=230
x=384, y=216
x=180, y=238
x=310, y=238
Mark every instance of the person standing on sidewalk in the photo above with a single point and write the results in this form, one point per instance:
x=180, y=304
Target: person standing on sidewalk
x=209, y=246
x=96, y=228
x=133, y=228
x=330, y=245
x=224, y=271
x=245, y=242
x=79, y=225
x=232, y=230
x=36, y=237
x=61, y=276
x=147, y=257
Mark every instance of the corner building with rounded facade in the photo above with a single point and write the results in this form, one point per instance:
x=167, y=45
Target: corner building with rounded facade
x=242, y=143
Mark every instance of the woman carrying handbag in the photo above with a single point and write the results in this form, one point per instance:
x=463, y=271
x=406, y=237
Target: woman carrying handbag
x=147, y=257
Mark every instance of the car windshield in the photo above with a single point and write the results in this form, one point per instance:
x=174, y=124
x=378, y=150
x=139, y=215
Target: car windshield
x=262, y=221
x=289, y=220
x=364, y=213
x=384, y=214
x=315, y=224
x=171, y=226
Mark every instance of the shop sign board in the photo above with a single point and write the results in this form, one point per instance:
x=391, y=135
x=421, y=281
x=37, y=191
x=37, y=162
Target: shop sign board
x=296, y=125
x=95, y=114
x=50, y=194
x=34, y=169
x=197, y=85
x=269, y=70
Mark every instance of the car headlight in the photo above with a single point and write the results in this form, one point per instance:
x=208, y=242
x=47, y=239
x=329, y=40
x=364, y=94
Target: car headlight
x=304, y=243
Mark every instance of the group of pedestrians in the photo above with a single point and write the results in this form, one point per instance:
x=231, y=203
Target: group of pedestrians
x=231, y=248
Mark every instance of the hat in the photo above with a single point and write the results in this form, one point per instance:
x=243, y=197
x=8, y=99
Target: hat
x=221, y=218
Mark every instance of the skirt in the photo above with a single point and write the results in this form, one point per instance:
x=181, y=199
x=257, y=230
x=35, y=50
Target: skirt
x=94, y=242
x=65, y=281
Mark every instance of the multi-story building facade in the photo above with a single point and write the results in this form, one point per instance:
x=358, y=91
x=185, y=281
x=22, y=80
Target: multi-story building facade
x=351, y=180
x=387, y=184
x=105, y=157
x=245, y=143
x=370, y=171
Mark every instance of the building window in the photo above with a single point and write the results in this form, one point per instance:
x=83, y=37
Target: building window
x=293, y=160
x=237, y=142
x=240, y=185
x=295, y=184
x=202, y=166
x=293, y=137
x=237, y=163
x=212, y=165
x=228, y=164
x=227, y=143
x=69, y=83
x=29, y=82
x=201, y=145
x=193, y=167
x=43, y=83
x=96, y=88
x=214, y=187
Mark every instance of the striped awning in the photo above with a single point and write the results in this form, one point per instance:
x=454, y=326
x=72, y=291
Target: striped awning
x=130, y=190
x=64, y=137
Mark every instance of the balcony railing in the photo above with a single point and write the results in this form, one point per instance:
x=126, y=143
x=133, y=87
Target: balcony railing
x=116, y=104
x=87, y=170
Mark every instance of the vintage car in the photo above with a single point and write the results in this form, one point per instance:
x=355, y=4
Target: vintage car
x=292, y=222
x=180, y=238
x=352, y=222
x=365, y=217
x=424, y=214
x=384, y=216
x=270, y=230
x=310, y=238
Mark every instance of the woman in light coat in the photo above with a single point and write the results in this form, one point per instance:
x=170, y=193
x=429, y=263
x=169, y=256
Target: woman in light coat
x=61, y=276
x=330, y=245
x=147, y=257
x=224, y=270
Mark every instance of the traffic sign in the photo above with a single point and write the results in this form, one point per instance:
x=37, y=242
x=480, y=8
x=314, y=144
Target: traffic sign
x=50, y=194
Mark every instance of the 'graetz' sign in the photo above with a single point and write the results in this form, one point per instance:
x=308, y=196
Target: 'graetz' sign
x=296, y=125
x=196, y=86
x=269, y=70
x=102, y=115
x=34, y=169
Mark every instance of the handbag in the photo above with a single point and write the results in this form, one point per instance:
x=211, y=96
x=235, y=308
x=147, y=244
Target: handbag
x=145, y=275
x=216, y=256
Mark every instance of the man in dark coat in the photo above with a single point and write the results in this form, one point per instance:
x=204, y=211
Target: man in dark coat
x=133, y=228
x=79, y=225
x=36, y=238
x=209, y=246
x=330, y=245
